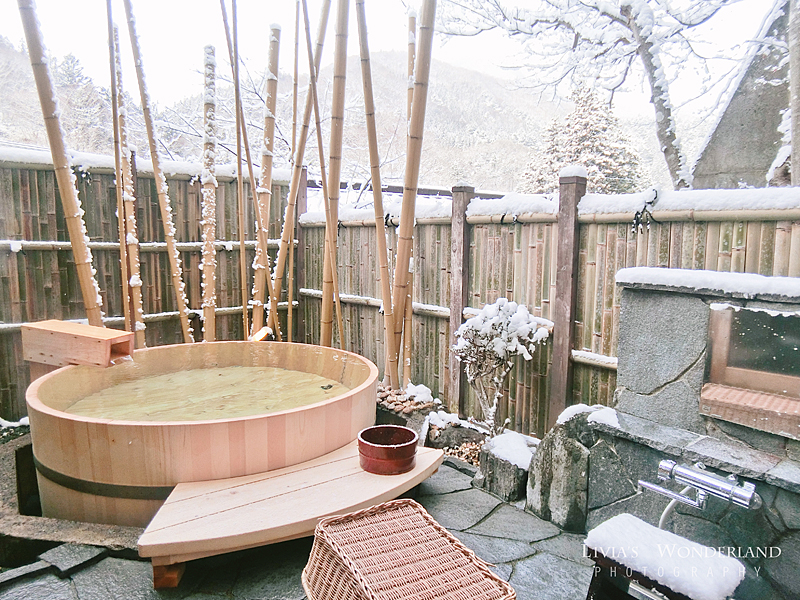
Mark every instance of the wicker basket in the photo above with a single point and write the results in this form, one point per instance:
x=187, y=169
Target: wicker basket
x=395, y=551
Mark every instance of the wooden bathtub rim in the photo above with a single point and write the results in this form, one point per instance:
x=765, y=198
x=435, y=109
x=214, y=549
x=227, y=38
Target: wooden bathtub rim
x=349, y=412
x=32, y=397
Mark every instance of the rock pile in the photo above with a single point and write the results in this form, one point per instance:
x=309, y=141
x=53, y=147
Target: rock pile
x=398, y=402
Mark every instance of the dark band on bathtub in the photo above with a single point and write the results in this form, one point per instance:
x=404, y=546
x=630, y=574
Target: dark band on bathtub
x=109, y=490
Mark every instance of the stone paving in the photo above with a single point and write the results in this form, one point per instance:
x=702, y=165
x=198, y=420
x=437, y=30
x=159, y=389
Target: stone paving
x=537, y=558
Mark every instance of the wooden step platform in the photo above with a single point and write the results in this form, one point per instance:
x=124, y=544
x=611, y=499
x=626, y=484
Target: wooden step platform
x=215, y=517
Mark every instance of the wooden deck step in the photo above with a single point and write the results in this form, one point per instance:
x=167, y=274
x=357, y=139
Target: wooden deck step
x=215, y=517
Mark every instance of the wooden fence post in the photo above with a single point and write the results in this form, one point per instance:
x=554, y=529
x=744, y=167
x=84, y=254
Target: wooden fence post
x=459, y=278
x=571, y=190
x=300, y=261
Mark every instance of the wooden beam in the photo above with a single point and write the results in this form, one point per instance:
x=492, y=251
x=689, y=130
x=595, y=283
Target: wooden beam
x=459, y=276
x=571, y=190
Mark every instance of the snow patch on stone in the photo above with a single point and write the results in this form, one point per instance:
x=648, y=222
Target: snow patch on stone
x=684, y=566
x=513, y=447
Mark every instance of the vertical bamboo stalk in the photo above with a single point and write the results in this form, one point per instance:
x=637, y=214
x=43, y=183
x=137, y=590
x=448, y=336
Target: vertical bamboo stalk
x=73, y=212
x=390, y=366
x=794, y=251
x=407, y=343
x=330, y=262
x=330, y=227
x=296, y=73
x=208, y=180
x=413, y=155
x=261, y=236
x=239, y=178
x=264, y=191
x=129, y=203
x=783, y=239
x=294, y=186
x=161, y=183
x=123, y=254
x=412, y=55
x=753, y=242
x=290, y=290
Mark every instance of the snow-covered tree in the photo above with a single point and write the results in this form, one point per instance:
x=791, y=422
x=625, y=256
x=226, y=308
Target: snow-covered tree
x=602, y=41
x=487, y=342
x=590, y=136
x=85, y=108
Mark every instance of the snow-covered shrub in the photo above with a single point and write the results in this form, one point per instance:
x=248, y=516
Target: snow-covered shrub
x=487, y=342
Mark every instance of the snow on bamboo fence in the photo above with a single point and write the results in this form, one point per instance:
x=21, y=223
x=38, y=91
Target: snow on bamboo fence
x=37, y=273
x=510, y=251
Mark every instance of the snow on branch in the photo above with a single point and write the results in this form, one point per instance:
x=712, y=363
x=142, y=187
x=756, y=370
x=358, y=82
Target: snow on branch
x=487, y=342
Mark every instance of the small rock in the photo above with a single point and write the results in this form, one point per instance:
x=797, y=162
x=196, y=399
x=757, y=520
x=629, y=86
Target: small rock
x=408, y=410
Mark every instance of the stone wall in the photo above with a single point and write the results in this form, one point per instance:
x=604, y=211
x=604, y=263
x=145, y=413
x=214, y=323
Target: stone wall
x=663, y=347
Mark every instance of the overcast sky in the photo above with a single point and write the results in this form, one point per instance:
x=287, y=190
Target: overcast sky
x=174, y=32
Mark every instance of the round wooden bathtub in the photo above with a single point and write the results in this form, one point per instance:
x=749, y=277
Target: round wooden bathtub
x=120, y=472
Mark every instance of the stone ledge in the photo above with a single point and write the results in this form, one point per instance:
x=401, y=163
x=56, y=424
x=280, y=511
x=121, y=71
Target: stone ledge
x=718, y=454
x=711, y=283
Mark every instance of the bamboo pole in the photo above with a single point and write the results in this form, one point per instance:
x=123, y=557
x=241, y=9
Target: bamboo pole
x=261, y=235
x=294, y=186
x=296, y=73
x=408, y=312
x=129, y=204
x=412, y=54
x=390, y=366
x=413, y=154
x=161, y=182
x=264, y=190
x=239, y=178
x=330, y=228
x=123, y=253
x=73, y=212
x=290, y=287
x=208, y=180
x=330, y=263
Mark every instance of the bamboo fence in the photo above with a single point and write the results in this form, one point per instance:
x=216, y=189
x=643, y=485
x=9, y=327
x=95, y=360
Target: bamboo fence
x=516, y=260
x=38, y=279
x=512, y=258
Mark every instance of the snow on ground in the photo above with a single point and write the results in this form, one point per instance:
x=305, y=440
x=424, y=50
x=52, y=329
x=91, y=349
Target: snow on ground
x=4, y=424
x=513, y=447
x=684, y=566
x=748, y=284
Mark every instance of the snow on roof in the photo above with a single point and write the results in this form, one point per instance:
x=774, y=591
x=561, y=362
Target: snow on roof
x=727, y=95
x=86, y=161
x=745, y=284
x=682, y=565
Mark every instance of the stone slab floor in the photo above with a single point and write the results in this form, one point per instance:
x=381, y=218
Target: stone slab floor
x=539, y=560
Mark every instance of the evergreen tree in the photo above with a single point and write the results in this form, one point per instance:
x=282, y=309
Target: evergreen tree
x=590, y=136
